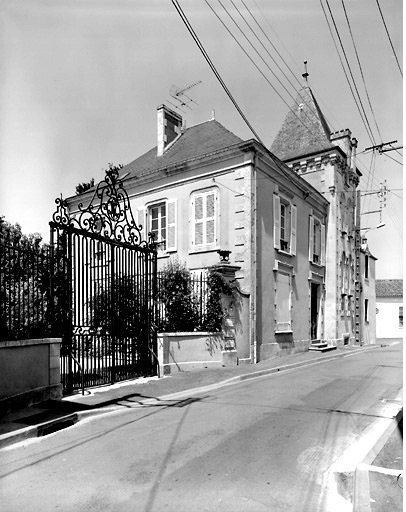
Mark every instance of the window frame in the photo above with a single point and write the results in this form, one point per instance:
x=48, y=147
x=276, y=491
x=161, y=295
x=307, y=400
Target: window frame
x=205, y=245
x=144, y=219
x=287, y=244
x=281, y=325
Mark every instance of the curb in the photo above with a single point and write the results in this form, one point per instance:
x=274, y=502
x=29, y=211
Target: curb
x=54, y=425
x=361, y=487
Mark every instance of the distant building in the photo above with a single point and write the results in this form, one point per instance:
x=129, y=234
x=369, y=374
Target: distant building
x=367, y=300
x=389, y=309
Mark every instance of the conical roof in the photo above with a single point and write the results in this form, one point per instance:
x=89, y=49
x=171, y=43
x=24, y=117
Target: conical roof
x=304, y=130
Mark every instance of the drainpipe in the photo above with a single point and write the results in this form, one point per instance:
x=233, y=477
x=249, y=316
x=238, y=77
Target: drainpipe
x=254, y=270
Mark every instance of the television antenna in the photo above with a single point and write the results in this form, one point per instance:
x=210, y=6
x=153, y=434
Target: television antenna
x=178, y=94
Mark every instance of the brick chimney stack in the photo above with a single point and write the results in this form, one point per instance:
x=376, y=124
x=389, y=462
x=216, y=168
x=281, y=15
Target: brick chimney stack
x=168, y=128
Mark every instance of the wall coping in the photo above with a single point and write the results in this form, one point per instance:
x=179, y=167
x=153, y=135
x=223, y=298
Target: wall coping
x=29, y=342
x=191, y=333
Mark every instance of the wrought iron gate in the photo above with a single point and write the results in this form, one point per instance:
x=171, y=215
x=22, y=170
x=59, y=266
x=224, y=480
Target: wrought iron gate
x=103, y=283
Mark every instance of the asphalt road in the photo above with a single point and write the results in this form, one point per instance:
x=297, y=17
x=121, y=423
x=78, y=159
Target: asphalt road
x=260, y=445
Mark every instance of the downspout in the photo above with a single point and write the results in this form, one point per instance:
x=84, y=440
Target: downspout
x=254, y=269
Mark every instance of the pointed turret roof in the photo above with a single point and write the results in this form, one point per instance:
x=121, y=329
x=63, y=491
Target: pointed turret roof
x=304, y=131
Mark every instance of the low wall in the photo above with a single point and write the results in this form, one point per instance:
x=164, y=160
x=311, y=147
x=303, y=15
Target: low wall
x=187, y=351
x=29, y=372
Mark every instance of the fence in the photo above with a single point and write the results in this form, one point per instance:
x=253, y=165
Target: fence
x=24, y=289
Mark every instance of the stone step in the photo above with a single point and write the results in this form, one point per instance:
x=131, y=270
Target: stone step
x=322, y=347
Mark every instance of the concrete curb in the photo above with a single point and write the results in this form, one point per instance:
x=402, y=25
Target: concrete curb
x=361, y=487
x=54, y=425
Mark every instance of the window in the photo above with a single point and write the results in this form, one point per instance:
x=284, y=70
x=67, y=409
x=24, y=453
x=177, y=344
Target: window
x=400, y=317
x=366, y=310
x=366, y=274
x=285, y=218
x=161, y=222
x=204, y=219
x=317, y=241
x=283, y=302
x=157, y=224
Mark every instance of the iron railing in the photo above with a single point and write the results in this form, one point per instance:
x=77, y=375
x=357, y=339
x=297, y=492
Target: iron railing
x=24, y=290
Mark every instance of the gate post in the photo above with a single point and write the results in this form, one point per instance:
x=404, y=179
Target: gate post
x=229, y=354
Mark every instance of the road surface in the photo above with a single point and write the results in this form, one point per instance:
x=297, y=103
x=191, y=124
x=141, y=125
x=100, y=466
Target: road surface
x=260, y=445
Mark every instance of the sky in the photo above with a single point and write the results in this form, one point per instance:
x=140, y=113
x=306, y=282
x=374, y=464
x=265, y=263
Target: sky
x=80, y=81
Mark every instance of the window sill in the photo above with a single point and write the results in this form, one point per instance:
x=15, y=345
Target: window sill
x=319, y=265
x=205, y=248
x=161, y=255
x=284, y=332
x=284, y=252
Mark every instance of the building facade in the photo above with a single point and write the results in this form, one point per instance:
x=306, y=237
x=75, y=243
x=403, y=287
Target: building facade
x=203, y=189
x=389, y=309
x=328, y=162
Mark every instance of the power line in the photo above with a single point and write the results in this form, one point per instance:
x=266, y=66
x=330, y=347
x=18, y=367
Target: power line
x=352, y=76
x=360, y=68
x=212, y=67
x=390, y=40
x=254, y=63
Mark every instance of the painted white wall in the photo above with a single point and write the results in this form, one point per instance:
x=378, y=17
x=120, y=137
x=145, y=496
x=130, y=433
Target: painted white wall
x=387, y=317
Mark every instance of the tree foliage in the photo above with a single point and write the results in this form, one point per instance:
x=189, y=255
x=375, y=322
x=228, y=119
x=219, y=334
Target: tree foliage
x=24, y=283
x=217, y=286
x=175, y=293
x=84, y=186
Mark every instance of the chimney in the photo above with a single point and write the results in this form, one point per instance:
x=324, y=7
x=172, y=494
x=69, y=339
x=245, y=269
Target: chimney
x=354, y=145
x=342, y=139
x=169, y=127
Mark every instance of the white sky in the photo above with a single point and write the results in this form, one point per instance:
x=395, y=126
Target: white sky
x=80, y=81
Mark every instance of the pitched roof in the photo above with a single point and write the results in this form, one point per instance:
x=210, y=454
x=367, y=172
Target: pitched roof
x=198, y=140
x=389, y=287
x=304, y=130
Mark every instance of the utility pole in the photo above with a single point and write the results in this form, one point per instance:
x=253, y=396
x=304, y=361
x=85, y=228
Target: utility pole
x=380, y=147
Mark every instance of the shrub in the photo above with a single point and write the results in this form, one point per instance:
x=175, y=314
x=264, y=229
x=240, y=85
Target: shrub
x=176, y=294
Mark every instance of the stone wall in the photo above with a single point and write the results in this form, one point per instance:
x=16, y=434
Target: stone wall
x=29, y=372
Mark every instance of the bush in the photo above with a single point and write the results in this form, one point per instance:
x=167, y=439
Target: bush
x=217, y=285
x=175, y=293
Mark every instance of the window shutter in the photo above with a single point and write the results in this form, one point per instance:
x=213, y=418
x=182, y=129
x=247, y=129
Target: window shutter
x=171, y=242
x=311, y=231
x=141, y=223
x=323, y=244
x=276, y=221
x=293, y=221
x=198, y=217
x=210, y=218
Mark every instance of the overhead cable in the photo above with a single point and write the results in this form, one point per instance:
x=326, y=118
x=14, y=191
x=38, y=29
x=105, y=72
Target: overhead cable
x=360, y=68
x=364, y=116
x=255, y=64
x=212, y=67
x=390, y=40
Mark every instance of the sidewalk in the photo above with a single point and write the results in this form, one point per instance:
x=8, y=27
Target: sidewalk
x=47, y=417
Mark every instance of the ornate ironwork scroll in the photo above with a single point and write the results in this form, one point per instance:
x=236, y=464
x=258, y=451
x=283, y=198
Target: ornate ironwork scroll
x=108, y=213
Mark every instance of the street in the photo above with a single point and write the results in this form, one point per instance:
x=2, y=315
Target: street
x=261, y=445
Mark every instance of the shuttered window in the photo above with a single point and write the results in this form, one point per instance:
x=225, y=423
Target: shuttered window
x=204, y=218
x=283, y=302
x=161, y=220
x=285, y=220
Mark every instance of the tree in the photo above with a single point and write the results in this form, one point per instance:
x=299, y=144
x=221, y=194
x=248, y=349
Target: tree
x=24, y=283
x=176, y=295
x=83, y=187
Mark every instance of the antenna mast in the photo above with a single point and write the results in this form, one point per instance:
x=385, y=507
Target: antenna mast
x=179, y=95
